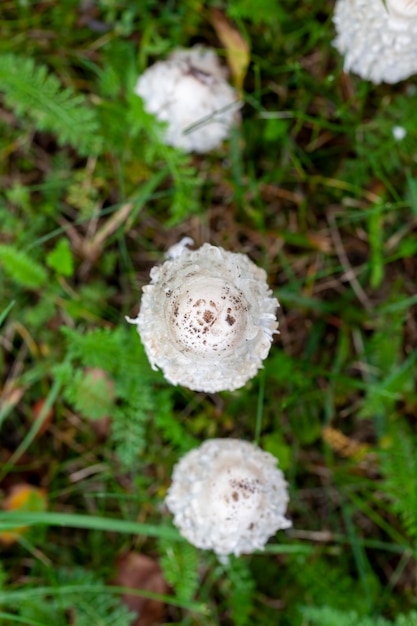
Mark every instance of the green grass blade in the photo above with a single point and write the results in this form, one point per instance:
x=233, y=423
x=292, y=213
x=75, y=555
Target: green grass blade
x=13, y=519
x=16, y=596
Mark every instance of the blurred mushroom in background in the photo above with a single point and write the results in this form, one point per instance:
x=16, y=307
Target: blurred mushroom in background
x=189, y=92
x=378, y=38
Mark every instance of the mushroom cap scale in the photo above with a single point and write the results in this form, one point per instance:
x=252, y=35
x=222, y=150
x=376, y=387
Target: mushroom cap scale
x=379, y=43
x=228, y=496
x=190, y=92
x=207, y=318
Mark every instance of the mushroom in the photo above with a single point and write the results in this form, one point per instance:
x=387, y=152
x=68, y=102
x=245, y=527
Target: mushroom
x=189, y=91
x=228, y=496
x=379, y=41
x=207, y=318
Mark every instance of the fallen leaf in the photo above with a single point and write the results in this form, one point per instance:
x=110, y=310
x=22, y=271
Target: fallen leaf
x=11, y=396
x=36, y=411
x=94, y=396
x=343, y=445
x=237, y=48
x=141, y=572
x=22, y=498
x=101, y=425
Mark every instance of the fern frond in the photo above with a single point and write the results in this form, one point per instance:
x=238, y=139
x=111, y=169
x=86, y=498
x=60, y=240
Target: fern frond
x=99, y=348
x=407, y=620
x=90, y=395
x=326, y=616
x=21, y=268
x=128, y=430
x=186, y=180
x=96, y=606
x=240, y=598
x=170, y=426
x=399, y=468
x=124, y=358
x=33, y=92
x=179, y=563
x=331, y=584
x=100, y=608
x=41, y=611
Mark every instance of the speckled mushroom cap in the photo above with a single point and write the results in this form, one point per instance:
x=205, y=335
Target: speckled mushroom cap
x=378, y=42
x=228, y=496
x=190, y=92
x=207, y=318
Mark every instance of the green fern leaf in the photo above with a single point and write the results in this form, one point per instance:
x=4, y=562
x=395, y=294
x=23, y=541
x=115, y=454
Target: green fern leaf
x=114, y=352
x=30, y=91
x=399, y=468
x=91, y=394
x=407, y=620
x=94, y=605
x=41, y=611
x=179, y=563
x=21, y=268
x=330, y=583
x=98, y=607
x=99, y=348
x=240, y=591
x=128, y=429
x=326, y=616
x=170, y=426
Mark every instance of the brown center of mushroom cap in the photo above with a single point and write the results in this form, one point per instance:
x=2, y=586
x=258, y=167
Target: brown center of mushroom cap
x=207, y=315
x=235, y=496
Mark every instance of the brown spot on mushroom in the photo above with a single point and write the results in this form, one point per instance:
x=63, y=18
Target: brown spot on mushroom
x=230, y=320
x=208, y=316
x=235, y=496
x=200, y=75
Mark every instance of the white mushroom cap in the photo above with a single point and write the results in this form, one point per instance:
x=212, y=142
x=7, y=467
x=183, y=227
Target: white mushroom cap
x=379, y=43
x=207, y=318
x=189, y=91
x=228, y=496
x=402, y=8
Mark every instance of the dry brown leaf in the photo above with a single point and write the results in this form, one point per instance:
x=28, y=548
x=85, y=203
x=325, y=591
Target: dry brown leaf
x=11, y=395
x=36, y=411
x=237, y=48
x=141, y=572
x=343, y=445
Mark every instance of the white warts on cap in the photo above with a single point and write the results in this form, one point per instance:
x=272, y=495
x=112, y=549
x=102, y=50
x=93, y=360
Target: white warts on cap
x=228, y=496
x=207, y=318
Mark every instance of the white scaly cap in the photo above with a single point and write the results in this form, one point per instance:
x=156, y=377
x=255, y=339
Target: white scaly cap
x=228, y=496
x=378, y=42
x=207, y=318
x=190, y=92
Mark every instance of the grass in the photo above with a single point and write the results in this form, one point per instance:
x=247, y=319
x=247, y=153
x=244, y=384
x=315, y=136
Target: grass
x=315, y=188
